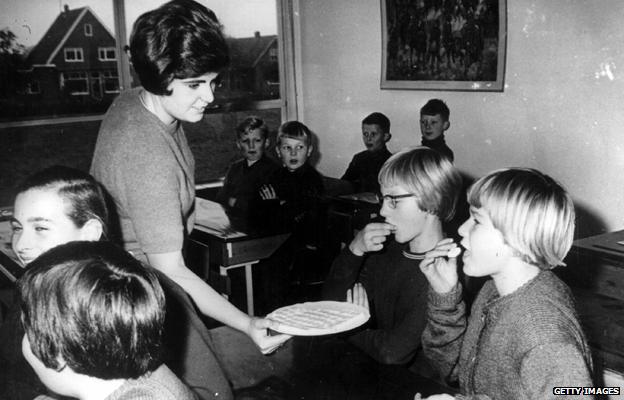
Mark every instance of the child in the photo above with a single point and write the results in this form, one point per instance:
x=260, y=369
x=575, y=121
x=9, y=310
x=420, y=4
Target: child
x=522, y=337
x=364, y=167
x=434, y=120
x=419, y=189
x=93, y=317
x=293, y=191
x=289, y=202
x=245, y=177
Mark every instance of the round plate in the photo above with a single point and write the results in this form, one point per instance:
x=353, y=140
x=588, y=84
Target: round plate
x=319, y=318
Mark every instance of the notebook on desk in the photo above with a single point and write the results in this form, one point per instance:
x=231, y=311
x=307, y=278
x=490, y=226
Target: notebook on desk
x=210, y=217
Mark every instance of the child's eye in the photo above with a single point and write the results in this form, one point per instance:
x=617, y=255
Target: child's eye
x=16, y=228
x=40, y=228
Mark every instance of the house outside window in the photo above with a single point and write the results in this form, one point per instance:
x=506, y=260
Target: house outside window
x=74, y=54
x=107, y=54
x=65, y=81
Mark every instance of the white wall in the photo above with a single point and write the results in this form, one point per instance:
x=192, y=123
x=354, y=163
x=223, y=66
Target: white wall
x=558, y=112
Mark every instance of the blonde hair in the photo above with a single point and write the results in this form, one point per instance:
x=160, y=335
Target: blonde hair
x=429, y=175
x=533, y=212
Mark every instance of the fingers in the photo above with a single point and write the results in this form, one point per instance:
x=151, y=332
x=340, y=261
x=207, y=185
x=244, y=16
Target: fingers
x=272, y=343
x=371, y=238
x=267, y=192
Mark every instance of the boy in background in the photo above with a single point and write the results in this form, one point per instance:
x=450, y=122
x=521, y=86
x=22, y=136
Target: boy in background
x=364, y=167
x=289, y=202
x=434, y=120
x=93, y=317
x=245, y=177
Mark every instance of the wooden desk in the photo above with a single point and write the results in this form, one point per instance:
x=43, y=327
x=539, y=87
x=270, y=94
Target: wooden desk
x=595, y=272
x=236, y=251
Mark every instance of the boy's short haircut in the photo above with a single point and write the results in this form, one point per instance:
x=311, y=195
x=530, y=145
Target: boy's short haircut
x=251, y=123
x=180, y=39
x=294, y=130
x=378, y=119
x=533, y=212
x=434, y=107
x=428, y=174
x=96, y=308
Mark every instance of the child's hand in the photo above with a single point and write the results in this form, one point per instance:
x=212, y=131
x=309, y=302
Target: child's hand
x=267, y=192
x=358, y=296
x=371, y=238
x=440, y=266
x=442, y=396
x=257, y=331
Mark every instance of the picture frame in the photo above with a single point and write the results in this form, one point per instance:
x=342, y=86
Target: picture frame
x=444, y=44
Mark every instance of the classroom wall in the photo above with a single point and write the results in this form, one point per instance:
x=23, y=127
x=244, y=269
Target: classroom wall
x=561, y=110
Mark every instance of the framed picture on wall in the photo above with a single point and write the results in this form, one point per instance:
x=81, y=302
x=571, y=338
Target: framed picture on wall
x=443, y=44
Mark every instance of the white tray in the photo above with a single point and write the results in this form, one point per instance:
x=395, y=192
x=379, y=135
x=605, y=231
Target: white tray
x=319, y=318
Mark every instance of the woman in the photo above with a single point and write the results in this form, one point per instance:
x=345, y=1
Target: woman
x=59, y=205
x=142, y=156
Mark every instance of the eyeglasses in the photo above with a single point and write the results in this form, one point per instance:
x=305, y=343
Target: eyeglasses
x=392, y=199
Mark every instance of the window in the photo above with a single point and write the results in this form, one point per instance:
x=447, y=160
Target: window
x=59, y=124
x=73, y=54
x=107, y=54
x=75, y=83
x=111, y=81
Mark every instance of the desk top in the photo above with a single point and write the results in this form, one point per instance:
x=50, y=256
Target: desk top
x=601, y=245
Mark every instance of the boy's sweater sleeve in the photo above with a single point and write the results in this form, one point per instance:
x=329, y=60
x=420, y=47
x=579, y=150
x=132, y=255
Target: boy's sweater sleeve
x=444, y=332
x=343, y=274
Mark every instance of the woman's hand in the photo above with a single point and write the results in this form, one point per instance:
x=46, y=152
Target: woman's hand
x=358, y=296
x=267, y=192
x=442, y=396
x=371, y=238
x=440, y=267
x=257, y=331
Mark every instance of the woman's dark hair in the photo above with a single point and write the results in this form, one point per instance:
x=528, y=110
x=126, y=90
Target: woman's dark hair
x=180, y=39
x=85, y=197
x=94, y=307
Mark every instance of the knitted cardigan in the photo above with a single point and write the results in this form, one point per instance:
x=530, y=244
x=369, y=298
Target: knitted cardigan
x=517, y=346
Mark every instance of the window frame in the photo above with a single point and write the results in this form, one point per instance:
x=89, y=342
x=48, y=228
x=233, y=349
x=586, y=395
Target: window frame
x=77, y=51
x=88, y=32
x=288, y=32
x=104, y=51
x=77, y=76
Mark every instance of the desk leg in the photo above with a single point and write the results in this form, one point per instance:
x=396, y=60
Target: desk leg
x=223, y=272
x=249, y=288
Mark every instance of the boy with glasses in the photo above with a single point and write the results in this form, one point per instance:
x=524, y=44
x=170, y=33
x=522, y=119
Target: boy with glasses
x=419, y=190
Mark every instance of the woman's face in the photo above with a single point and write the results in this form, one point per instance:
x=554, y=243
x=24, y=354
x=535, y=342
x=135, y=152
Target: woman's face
x=189, y=98
x=40, y=222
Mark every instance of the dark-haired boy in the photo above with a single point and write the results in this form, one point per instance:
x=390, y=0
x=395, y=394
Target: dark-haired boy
x=434, y=120
x=364, y=167
x=98, y=334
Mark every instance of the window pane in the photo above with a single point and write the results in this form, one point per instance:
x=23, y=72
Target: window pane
x=41, y=46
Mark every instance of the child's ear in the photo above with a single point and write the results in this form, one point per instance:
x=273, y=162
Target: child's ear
x=279, y=155
x=266, y=143
x=310, y=148
x=92, y=230
x=447, y=124
x=387, y=136
x=238, y=145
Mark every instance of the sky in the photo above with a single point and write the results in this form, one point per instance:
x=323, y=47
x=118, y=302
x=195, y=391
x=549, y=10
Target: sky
x=29, y=19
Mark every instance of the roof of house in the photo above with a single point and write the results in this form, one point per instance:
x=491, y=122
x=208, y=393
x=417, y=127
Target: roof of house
x=247, y=52
x=46, y=49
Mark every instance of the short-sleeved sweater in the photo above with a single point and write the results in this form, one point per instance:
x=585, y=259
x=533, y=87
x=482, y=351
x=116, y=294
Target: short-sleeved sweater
x=148, y=169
